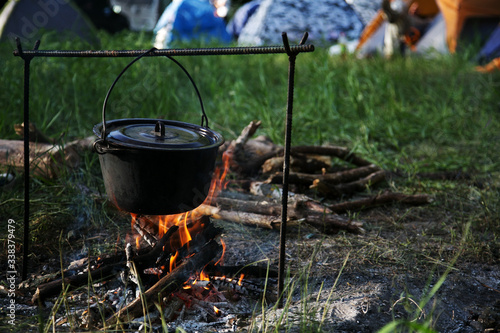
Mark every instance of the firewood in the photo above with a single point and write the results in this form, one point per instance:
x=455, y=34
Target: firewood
x=265, y=207
x=327, y=223
x=35, y=135
x=71, y=282
x=148, y=259
x=265, y=213
x=298, y=163
x=328, y=178
x=236, y=148
x=333, y=223
x=380, y=199
x=348, y=188
x=167, y=284
x=339, y=152
x=46, y=160
x=258, y=220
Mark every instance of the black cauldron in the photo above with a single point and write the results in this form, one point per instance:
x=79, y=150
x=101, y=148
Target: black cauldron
x=155, y=166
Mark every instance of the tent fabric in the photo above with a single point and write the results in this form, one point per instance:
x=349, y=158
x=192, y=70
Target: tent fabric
x=491, y=48
x=241, y=17
x=324, y=20
x=374, y=44
x=426, y=8
x=456, y=13
x=186, y=20
x=29, y=19
x=434, y=40
x=371, y=29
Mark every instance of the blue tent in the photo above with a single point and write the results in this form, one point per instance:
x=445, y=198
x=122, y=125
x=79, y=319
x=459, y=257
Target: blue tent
x=491, y=48
x=187, y=20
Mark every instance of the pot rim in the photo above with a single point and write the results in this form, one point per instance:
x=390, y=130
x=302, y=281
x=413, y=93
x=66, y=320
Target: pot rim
x=215, y=139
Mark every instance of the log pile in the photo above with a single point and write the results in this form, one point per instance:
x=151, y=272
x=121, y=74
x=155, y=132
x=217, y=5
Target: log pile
x=313, y=176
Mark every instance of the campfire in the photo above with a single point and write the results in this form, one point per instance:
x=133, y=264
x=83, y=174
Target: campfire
x=172, y=268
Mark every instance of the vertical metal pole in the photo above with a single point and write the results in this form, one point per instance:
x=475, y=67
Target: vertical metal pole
x=286, y=170
x=26, y=244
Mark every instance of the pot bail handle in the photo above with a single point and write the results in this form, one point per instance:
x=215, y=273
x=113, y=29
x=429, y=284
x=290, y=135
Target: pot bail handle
x=204, y=118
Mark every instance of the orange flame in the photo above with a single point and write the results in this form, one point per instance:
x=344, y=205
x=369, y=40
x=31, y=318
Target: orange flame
x=204, y=276
x=216, y=310
x=241, y=279
x=172, y=260
x=221, y=260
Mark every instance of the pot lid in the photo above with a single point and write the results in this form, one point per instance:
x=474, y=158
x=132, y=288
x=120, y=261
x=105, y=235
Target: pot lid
x=158, y=134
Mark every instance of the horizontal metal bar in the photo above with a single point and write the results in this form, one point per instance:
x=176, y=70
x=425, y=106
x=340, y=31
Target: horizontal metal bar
x=164, y=52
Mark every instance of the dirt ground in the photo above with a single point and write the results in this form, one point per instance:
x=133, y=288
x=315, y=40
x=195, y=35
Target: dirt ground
x=375, y=286
x=347, y=282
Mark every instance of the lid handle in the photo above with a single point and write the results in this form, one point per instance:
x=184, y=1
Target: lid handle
x=204, y=118
x=160, y=129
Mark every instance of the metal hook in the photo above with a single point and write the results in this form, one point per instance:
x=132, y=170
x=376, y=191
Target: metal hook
x=304, y=38
x=286, y=44
x=19, y=47
x=24, y=56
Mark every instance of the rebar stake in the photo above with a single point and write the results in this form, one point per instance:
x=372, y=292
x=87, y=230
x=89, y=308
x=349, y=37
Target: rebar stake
x=286, y=164
x=26, y=118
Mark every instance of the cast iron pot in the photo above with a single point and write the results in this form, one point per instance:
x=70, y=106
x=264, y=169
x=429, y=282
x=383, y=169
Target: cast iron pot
x=155, y=166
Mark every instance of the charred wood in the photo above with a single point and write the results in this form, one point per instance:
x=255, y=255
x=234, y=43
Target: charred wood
x=235, y=271
x=71, y=282
x=167, y=284
x=149, y=259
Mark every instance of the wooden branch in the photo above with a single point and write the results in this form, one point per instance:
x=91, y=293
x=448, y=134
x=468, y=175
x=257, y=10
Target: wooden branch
x=308, y=164
x=328, y=178
x=236, y=148
x=46, y=160
x=168, y=284
x=35, y=135
x=263, y=206
x=71, y=282
x=333, y=223
x=381, y=199
x=266, y=214
x=162, y=246
x=348, y=188
x=339, y=152
x=258, y=220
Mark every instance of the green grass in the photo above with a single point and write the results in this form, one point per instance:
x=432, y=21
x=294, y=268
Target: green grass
x=408, y=115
